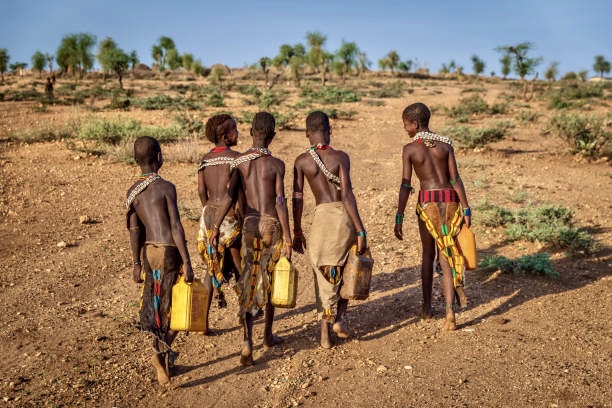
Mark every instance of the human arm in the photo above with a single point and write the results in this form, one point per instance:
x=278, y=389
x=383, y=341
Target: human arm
x=178, y=234
x=299, y=242
x=136, y=243
x=459, y=188
x=404, y=193
x=202, y=191
x=350, y=203
x=281, y=209
x=228, y=201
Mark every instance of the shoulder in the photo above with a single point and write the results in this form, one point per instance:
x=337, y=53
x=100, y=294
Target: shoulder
x=300, y=160
x=340, y=155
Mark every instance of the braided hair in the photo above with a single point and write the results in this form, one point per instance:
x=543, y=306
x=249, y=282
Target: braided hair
x=215, y=128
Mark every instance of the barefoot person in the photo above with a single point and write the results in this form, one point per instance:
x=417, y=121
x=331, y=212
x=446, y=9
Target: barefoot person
x=336, y=224
x=265, y=231
x=158, y=244
x=440, y=215
x=222, y=261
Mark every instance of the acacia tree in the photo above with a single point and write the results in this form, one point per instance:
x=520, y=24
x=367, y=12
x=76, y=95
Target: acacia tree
x=50, y=59
x=4, y=61
x=506, y=63
x=74, y=53
x=347, y=55
x=160, y=50
x=187, y=61
x=522, y=64
x=264, y=65
x=601, y=65
x=133, y=57
x=173, y=59
x=113, y=59
x=38, y=62
x=478, y=65
x=317, y=57
x=405, y=66
x=363, y=63
x=552, y=71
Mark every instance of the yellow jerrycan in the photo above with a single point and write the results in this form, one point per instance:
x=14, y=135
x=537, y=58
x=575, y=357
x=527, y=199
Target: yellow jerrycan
x=284, y=284
x=466, y=241
x=357, y=275
x=189, y=306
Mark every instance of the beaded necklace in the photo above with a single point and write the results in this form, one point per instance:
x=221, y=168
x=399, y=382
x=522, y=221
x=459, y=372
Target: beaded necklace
x=252, y=154
x=429, y=139
x=147, y=178
x=219, y=149
x=320, y=146
x=331, y=177
x=216, y=161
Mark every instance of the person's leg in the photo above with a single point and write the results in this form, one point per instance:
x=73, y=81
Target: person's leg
x=246, y=354
x=158, y=361
x=340, y=326
x=429, y=252
x=269, y=338
x=207, y=282
x=449, y=294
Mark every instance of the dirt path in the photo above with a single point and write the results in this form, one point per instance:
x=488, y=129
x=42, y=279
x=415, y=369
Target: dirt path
x=68, y=336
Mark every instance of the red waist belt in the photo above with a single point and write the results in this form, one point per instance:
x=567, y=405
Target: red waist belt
x=438, y=196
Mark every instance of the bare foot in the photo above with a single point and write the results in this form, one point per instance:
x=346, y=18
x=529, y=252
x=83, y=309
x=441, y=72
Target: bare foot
x=341, y=330
x=272, y=341
x=246, y=355
x=326, y=341
x=461, y=297
x=162, y=376
x=450, y=323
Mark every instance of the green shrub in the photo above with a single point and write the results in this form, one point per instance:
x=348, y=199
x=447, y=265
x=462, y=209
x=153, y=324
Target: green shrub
x=470, y=137
x=215, y=100
x=469, y=106
x=329, y=95
x=334, y=113
x=573, y=94
x=526, y=116
x=550, y=225
x=536, y=264
x=587, y=135
x=103, y=131
x=269, y=98
x=388, y=90
x=249, y=89
x=163, y=102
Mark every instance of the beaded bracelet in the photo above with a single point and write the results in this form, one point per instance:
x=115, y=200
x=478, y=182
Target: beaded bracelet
x=136, y=262
x=467, y=212
x=407, y=186
x=298, y=232
x=399, y=218
x=361, y=233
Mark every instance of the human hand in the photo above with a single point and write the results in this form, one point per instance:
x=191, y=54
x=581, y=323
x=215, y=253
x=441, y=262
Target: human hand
x=188, y=272
x=362, y=244
x=137, y=273
x=299, y=243
x=214, y=237
x=468, y=220
x=399, y=234
x=286, y=251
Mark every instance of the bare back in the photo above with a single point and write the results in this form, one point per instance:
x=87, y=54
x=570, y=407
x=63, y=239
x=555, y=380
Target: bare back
x=262, y=180
x=336, y=162
x=213, y=181
x=434, y=166
x=156, y=209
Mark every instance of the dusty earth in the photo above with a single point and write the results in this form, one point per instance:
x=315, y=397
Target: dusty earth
x=68, y=334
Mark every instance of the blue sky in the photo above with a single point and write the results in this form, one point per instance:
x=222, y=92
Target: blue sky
x=238, y=32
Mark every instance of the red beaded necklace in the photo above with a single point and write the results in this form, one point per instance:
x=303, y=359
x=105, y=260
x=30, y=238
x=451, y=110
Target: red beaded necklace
x=219, y=149
x=322, y=146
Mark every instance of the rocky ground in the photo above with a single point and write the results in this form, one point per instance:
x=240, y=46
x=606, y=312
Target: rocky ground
x=68, y=333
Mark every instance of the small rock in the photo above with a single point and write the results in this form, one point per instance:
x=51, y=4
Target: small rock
x=408, y=367
x=381, y=369
x=61, y=244
x=84, y=219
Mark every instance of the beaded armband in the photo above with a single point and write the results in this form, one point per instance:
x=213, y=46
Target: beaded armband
x=467, y=212
x=399, y=218
x=361, y=233
x=298, y=195
x=407, y=186
x=280, y=200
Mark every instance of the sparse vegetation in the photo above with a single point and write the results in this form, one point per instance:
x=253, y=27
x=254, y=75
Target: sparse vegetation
x=536, y=264
x=471, y=137
x=587, y=135
x=330, y=95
